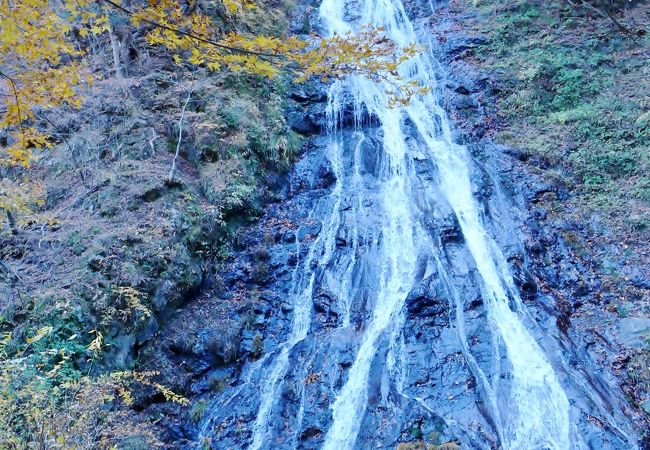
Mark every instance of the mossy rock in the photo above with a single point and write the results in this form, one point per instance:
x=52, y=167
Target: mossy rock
x=228, y=185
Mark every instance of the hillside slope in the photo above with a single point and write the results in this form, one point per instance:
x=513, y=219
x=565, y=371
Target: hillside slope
x=127, y=302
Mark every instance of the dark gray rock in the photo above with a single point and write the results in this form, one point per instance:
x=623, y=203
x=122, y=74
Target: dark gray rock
x=301, y=122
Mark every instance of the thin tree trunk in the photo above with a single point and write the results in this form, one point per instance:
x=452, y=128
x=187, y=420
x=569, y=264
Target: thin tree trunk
x=172, y=172
x=11, y=220
x=115, y=47
x=605, y=14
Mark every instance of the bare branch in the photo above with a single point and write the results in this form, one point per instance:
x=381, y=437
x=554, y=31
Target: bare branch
x=600, y=12
x=172, y=172
x=191, y=35
x=15, y=95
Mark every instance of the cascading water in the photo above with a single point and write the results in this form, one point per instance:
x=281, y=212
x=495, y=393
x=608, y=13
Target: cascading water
x=538, y=415
x=304, y=285
x=375, y=248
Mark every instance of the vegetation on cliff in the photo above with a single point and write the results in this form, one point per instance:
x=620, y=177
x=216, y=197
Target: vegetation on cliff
x=571, y=82
x=136, y=137
x=575, y=95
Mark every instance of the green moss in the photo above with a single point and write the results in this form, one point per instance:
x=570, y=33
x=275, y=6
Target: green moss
x=76, y=244
x=250, y=123
x=572, y=96
x=257, y=346
x=229, y=185
x=416, y=432
x=235, y=115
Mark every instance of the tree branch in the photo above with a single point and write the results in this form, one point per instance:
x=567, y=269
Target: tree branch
x=15, y=92
x=172, y=172
x=600, y=12
x=191, y=35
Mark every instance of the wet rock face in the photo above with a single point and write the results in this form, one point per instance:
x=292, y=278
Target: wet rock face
x=420, y=375
x=302, y=122
x=425, y=366
x=559, y=280
x=428, y=303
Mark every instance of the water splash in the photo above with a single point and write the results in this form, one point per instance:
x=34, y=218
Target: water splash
x=303, y=281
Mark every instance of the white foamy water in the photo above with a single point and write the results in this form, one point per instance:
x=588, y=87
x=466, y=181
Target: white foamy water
x=303, y=281
x=537, y=416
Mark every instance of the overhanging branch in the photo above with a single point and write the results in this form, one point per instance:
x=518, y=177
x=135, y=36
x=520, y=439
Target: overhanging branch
x=214, y=43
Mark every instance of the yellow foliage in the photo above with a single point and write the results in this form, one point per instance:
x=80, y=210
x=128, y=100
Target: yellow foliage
x=6, y=338
x=19, y=197
x=131, y=304
x=38, y=70
x=145, y=378
x=56, y=407
x=40, y=334
x=125, y=395
x=42, y=66
x=70, y=415
x=95, y=346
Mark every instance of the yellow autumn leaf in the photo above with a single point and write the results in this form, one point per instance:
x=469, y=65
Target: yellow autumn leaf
x=40, y=334
x=49, y=66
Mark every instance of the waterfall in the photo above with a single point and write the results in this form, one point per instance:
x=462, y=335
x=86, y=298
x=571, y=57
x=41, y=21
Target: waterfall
x=345, y=375
x=537, y=415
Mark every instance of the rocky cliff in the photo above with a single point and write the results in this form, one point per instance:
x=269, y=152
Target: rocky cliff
x=194, y=283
